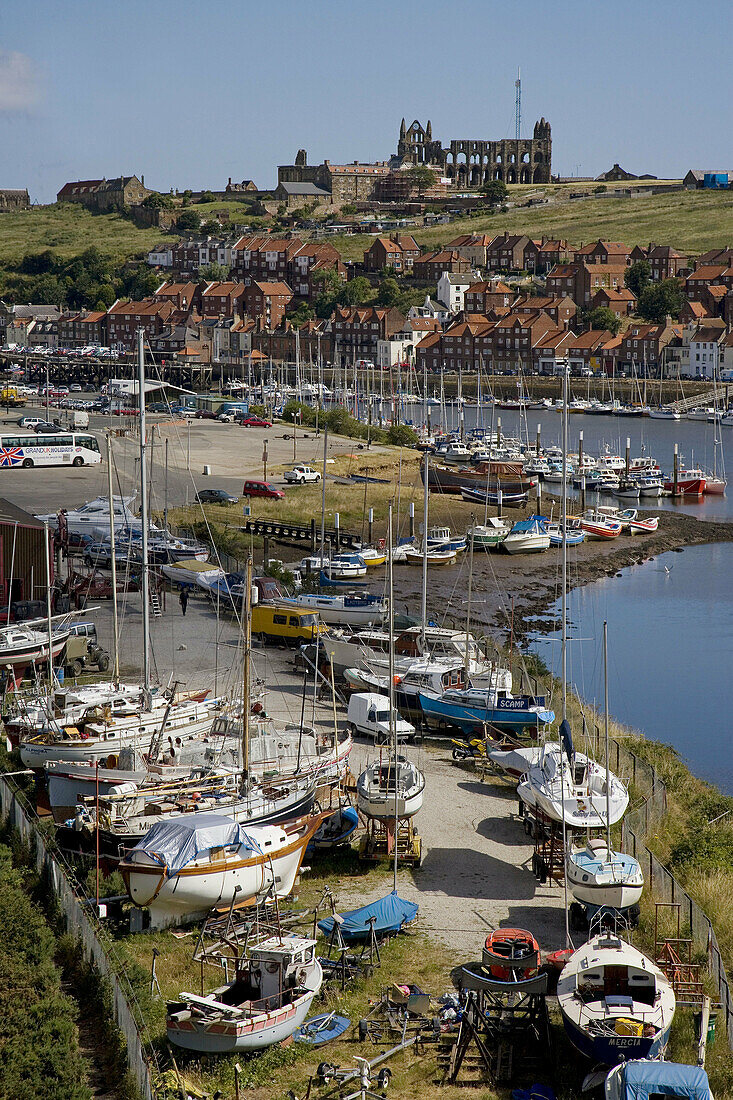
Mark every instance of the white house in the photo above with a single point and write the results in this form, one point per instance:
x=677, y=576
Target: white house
x=430, y=311
x=397, y=349
x=452, y=289
x=705, y=342
x=160, y=256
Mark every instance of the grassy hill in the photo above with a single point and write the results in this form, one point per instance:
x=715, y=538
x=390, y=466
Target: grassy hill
x=689, y=220
x=69, y=229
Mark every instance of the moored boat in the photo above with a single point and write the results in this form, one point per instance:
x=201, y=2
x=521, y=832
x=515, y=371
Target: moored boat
x=527, y=536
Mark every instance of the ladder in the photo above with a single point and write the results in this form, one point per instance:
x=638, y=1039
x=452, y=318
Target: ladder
x=155, y=605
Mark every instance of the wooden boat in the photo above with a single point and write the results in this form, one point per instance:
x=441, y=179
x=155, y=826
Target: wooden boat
x=616, y=1003
x=413, y=556
x=690, y=483
x=183, y=868
x=511, y=955
x=598, y=525
x=486, y=535
x=21, y=646
x=442, y=538
x=268, y=1000
x=573, y=535
x=643, y=525
x=387, y=783
x=490, y=477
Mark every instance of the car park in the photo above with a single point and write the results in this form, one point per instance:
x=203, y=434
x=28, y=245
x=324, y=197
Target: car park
x=216, y=496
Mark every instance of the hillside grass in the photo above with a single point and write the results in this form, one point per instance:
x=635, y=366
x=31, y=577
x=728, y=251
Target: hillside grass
x=69, y=229
x=688, y=220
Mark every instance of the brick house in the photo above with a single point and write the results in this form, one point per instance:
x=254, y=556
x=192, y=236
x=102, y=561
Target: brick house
x=429, y=354
x=399, y=251
x=514, y=339
x=692, y=312
x=643, y=344
x=184, y=296
x=223, y=299
x=78, y=330
x=472, y=247
x=124, y=318
x=562, y=280
x=701, y=278
x=551, y=252
x=356, y=330
x=622, y=302
x=431, y=266
x=593, y=277
x=485, y=296
x=583, y=350
x=266, y=302
x=561, y=310
x=506, y=252
x=310, y=258
x=665, y=262
x=609, y=253
x=551, y=350
x=106, y=194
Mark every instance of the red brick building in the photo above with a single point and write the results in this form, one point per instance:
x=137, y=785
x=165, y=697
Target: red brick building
x=78, y=330
x=397, y=251
x=124, y=319
x=356, y=330
x=266, y=302
x=622, y=302
x=223, y=299
x=431, y=266
x=485, y=296
x=184, y=296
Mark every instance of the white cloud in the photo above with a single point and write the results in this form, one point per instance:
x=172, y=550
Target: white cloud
x=19, y=82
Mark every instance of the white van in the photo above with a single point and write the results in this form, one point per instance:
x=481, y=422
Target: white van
x=368, y=714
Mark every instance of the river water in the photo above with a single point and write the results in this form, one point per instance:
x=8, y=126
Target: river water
x=670, y=643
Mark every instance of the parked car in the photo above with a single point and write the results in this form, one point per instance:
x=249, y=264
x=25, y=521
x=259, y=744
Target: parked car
x=205, y=414
x=99, y=554
x=46, y=426
x=256, y=422
x=216, y=496
x=30, y=421
x=76, y=388
x=300, y=474
x=183, y=410
x=262, y=489
x=158, y=407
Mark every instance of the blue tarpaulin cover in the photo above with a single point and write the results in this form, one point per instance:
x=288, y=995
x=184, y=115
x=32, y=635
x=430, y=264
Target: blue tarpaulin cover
x=642, y=1079
x=176, y=843
x=390, y=913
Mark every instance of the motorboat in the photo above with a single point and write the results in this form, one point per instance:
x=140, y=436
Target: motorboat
x=473, y=709
x=511, y=955
x=272, y=991
x=370, y=649
x=373, y=557
x=93, y=518
x=573, y=535
x=512, y=757
x=493, y=496
x=647, y=1079
x=351, y=610
x=627, y=489
x=599, y=876
x=598, y=525
x=650, y=485
x=345, y=567
x=664, y=414
x=164, y=549
x=455, y=453
x=690, y=483
x=423, y=674
x=21, y=646
x=616, y=1003
x=642, y=525
x=442, y=538
x=391, y=786
x=67, y=706
x=568, y=785
x=527, y=536
x=485, y=536
x=337, y=829
x=183, y=868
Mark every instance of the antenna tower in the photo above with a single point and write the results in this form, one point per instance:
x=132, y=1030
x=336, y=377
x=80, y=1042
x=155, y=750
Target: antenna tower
x=518, y=105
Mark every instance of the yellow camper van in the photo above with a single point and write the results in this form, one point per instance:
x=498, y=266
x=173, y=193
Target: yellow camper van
x=279, y=622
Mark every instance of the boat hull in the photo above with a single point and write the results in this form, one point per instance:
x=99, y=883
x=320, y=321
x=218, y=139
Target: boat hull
x=253, y=1033
x=475, y=718
x=526, y=544
x=611, y=1049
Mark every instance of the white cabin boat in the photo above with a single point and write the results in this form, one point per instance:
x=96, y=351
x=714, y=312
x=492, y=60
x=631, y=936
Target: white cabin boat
x=390, y=784
x=597, y=876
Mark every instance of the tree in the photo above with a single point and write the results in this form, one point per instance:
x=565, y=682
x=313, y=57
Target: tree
x=188, y=220
x=401, y=435
x=495, y=192
x=660, y=300
x=603, y=318
x=388, y=293
x=213, y=273
x=301, y=314
x=38, y=263
x=356, y=292
x=420, y=177
x=157, y=201
x=207, y=196
x=638, y=276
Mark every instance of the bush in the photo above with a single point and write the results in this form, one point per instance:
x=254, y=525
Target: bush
x=400, y=435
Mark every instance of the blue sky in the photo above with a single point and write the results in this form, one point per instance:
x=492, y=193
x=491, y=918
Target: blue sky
x=189, y=94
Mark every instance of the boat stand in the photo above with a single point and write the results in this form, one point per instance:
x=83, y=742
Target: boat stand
x=500, y=1020
x=380, y=840
x=673, y=955
x=595, y=919
x=548, y=858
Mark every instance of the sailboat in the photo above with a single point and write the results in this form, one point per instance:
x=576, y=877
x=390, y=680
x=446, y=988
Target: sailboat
x=597, y=875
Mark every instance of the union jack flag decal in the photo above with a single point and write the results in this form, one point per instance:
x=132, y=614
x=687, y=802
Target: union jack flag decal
x=11, y=456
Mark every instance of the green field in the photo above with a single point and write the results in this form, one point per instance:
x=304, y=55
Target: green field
x=688, y=220
x=68, y=230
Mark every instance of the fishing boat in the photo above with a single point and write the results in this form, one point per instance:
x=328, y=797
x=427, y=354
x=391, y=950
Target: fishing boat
x=527, y=536
x=627, y=489
x=351, y=610
x=391, y=786
x=272, y=991
x=599, y=876
x=616, y=1003
x=473, y=709
x=598, y=525
x=567, y=785
x=490, y=477
x=489, y=534
x=442, y=538
x=511, y=955
x=650, y=485
x=184, y=867
x=689, y=483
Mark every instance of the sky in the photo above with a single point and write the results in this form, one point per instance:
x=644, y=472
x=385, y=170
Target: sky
x=189, y=94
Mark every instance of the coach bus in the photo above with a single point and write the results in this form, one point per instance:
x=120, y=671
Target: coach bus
x=48, y=449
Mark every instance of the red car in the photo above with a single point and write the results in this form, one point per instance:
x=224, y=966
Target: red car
x=256, y=422
x=262, y=489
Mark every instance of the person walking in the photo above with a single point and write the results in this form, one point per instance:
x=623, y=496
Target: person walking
x=183, y=598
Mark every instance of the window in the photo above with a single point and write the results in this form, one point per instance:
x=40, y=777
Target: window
x=280, y=620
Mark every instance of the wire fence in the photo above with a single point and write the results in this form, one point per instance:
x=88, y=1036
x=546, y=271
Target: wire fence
x=660, y=882
x=98, y=946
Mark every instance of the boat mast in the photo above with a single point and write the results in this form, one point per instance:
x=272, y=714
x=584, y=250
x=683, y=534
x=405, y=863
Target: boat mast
x=145, y=580
x=564, y=615
x=468, y=608
x=605, y=731
x=115, y=626
x=49, y=624
x=424, y=593
x=323, y=496
x=392, y=723
x=247, y=653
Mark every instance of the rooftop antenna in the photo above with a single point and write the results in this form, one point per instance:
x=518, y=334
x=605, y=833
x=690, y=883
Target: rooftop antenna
x=518, y=105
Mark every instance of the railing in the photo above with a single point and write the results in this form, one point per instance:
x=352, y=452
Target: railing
x=98, y=947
